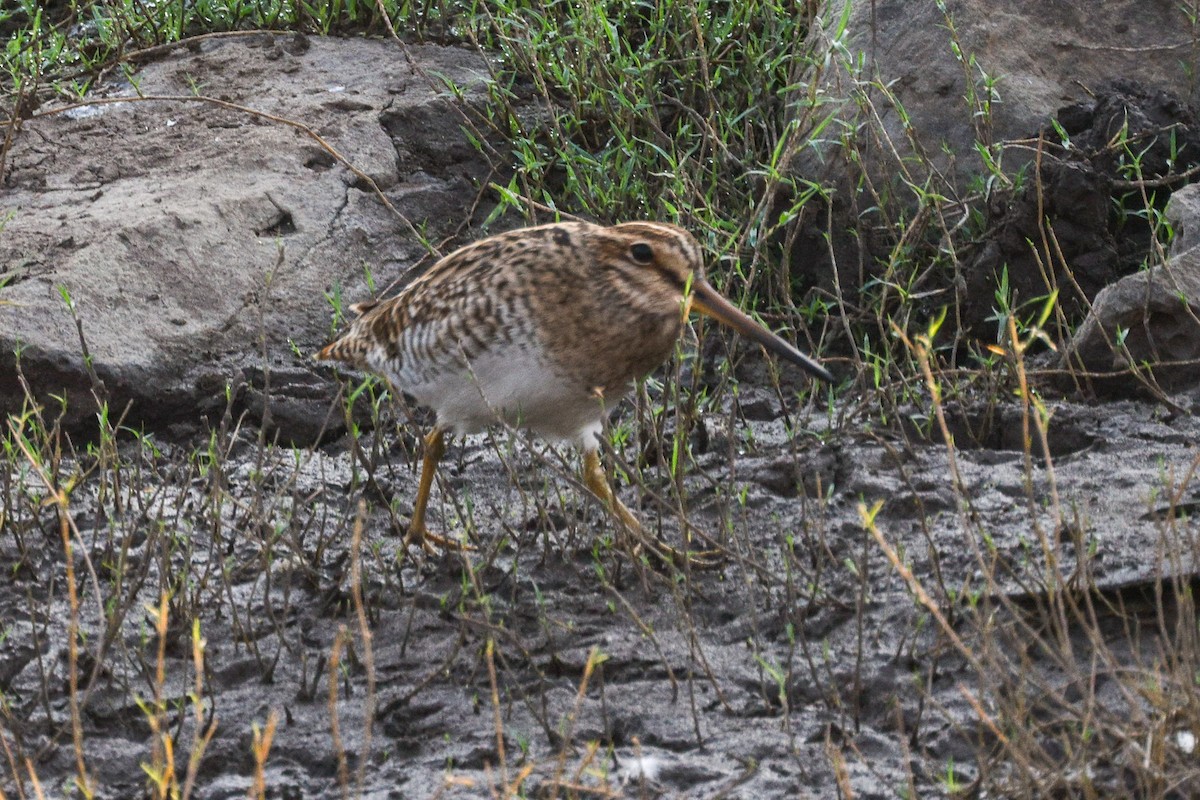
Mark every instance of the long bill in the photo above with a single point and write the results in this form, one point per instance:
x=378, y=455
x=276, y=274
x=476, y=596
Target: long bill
x=706, y=300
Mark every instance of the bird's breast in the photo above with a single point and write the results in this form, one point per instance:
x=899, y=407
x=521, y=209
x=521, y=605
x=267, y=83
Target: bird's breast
x=613, y=349
x=511, y=380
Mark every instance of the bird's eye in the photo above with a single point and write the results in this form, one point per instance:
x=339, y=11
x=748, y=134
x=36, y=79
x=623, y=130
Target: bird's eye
x=641, y=252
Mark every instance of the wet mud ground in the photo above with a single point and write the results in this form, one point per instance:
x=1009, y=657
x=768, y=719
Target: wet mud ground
x=551, y=662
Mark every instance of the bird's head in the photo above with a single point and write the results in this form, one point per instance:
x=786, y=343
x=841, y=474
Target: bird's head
x=674, y=258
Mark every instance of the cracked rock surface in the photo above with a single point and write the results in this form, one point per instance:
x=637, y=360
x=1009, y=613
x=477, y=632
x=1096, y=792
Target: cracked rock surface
x=191, y=236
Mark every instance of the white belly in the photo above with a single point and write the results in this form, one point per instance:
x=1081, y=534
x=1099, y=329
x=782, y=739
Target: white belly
x=510, y=384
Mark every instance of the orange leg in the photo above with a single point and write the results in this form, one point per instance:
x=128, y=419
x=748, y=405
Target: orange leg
x=596, y=479
x=435, y=448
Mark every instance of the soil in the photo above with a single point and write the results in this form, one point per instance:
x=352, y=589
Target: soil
x=1085, y=187
x=802, y=654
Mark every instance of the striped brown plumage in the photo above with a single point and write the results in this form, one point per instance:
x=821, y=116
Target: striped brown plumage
x=544, y=328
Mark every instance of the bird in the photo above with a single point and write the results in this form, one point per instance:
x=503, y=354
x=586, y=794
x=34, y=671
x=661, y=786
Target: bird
x=543, y=328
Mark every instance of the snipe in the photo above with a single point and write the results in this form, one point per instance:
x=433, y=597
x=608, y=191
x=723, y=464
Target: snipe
x=543, y=328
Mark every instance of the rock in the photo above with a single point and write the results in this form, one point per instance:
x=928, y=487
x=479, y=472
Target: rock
x=1036, y=68
x=924, y=131
x=1183, y=214
x=1157, y=309
x=198, y=243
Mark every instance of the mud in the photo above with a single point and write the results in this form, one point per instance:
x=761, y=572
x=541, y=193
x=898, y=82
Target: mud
x=1079, y=222
x=803, y=654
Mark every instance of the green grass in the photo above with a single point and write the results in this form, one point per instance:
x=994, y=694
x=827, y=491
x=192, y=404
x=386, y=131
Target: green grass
x=687, y=111
x=699, y=112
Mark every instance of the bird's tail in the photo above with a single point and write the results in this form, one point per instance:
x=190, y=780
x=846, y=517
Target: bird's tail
x=352, y=348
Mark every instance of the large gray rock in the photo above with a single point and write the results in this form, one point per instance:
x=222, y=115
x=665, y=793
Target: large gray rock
x=918, y=92
x=1151, y=317
x=198, y=242
x=1039, y=57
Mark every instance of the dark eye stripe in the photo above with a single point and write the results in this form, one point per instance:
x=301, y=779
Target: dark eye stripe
x=643, y=253
x=672, y=278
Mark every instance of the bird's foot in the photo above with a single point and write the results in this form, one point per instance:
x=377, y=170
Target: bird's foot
x=433, y=544
x=633, y=536
x=637, y=542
